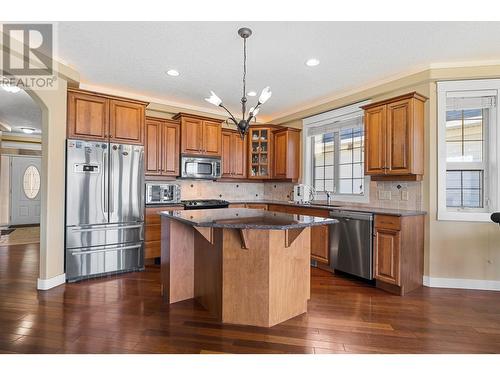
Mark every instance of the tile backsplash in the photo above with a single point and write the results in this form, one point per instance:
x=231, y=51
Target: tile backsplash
x=199, y=189
x=397, y=195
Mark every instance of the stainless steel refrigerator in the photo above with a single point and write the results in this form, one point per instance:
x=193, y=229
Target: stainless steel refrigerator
x=104, y=209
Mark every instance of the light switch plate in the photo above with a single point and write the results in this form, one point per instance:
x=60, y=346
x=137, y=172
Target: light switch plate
x=384, y=195
x=405, y=195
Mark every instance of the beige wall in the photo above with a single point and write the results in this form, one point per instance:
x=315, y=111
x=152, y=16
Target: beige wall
x=455, y=250
x=53, y=104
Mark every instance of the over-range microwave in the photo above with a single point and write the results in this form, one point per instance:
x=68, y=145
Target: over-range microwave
x=162, y=193
x=200, y=167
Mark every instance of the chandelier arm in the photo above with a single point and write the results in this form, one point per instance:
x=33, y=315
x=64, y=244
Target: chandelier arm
x=230, y=114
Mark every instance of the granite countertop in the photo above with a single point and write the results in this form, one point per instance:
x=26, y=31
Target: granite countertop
x=245, y=218
x=340, y=206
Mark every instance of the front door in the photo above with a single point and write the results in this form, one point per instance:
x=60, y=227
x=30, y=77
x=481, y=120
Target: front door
x=25, y=182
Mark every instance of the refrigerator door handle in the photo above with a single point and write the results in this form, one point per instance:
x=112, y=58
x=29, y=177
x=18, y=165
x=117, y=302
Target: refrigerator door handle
x=105, y=186
x=80, y=252
x=111, y=189
x=104, y=228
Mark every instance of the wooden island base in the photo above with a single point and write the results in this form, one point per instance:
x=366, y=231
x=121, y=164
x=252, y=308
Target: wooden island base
x=255, y=277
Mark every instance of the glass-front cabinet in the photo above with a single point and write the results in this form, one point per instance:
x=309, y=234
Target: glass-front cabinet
x=259, y=166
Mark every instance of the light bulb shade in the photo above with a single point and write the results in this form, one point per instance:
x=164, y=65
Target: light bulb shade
x=265, y=95
x=214, y=99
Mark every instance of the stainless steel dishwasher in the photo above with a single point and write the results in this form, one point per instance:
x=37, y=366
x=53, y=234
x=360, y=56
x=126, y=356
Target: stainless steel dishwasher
x=351, y=243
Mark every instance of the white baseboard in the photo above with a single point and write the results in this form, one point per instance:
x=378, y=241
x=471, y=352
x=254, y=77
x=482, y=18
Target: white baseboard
x=441, y=282
x=45, y=284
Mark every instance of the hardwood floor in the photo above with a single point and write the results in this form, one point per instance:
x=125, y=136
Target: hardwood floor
x=124, y=314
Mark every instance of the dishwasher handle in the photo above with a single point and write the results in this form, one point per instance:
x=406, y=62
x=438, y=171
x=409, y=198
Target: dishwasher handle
x=347, y=215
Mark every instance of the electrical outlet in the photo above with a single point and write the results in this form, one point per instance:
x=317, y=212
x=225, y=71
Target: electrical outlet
x=384, y=195
x=404, y=195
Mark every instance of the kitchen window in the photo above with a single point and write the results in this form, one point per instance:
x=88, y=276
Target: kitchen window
x=467, y=129
x=334, y=156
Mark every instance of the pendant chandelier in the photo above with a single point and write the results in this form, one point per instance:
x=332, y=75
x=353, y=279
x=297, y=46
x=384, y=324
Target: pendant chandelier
x=244, y=123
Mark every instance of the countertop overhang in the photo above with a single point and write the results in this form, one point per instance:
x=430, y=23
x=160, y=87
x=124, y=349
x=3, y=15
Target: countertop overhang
x=246, y=218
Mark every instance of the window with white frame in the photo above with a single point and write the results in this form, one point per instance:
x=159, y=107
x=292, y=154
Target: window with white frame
x=468, y=142
x=334, y=156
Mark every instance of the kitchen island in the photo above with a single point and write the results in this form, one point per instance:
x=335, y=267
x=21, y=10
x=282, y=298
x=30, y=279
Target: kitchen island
x=246, y=266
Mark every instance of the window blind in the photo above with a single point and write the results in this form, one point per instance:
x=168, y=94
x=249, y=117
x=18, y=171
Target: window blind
x=355, y=121
x=481, y=102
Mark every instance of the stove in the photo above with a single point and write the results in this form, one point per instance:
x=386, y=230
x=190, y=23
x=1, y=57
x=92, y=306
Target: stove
x=197, y=204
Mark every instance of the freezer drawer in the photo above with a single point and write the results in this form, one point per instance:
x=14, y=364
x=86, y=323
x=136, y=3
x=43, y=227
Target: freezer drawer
x=92, y=262
x=102, y=235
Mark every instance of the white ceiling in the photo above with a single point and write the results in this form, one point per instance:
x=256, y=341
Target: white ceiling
x=134, y=56
x=19, y=110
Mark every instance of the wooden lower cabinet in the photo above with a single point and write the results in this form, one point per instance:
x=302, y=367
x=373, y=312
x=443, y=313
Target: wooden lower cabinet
x=152, y=230
x=320, y=245
x=399, y=252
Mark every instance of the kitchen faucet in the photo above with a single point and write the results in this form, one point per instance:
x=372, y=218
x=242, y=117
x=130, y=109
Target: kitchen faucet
x=329, y=196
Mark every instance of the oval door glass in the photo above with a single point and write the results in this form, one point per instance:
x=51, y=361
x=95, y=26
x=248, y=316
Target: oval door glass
x=31, y=182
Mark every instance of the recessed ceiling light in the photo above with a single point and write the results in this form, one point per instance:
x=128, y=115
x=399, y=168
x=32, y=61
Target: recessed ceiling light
x=251, y=93
x=312, y=62
x=28, y=130
x=172, y=73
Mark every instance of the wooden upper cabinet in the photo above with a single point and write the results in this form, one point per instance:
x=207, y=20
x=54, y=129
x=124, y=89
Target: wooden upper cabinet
x=191, y=136
x=88, y=116
x=101, y=117
x=126, y=122
x=286, y=154
x=394, y=138
x=152, y=158
x=212, y=138
x=239, y=156
x=170, y=148
x=200, y=135
x=375, y=140
x=162, y=147
x=234, y=155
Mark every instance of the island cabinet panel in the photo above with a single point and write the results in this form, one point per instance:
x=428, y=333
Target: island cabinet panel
x=200, y=135
x=88, y=116
x=101, y=117
x=399, y=252
x=394, y=138
x=162, y=147
x=234, y=155
x=126, y=122
x=278, y=286
x=286, y=154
